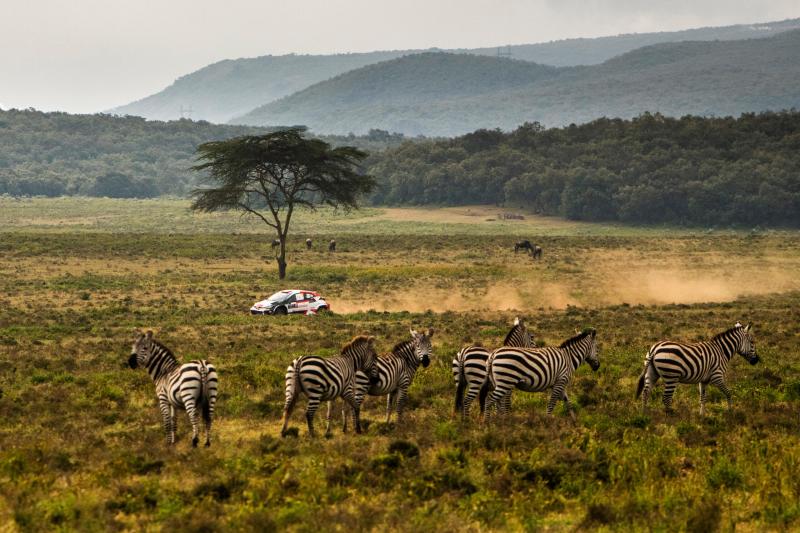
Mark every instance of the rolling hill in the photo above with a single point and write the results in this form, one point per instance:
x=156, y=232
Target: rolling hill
x=230, y=88
x=448, y=94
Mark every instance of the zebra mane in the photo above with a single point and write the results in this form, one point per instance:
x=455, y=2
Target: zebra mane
x=354, y=342
x=400, y=345
x=579, y=337
x=165, y=349
x=726, y=332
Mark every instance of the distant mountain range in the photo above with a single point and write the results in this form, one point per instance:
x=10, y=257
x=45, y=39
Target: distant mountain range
x=233, y=88
x=439, y=94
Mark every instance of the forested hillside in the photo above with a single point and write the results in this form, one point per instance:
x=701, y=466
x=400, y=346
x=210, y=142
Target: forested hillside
x=227, y=89
x=449, y=94
x=651, y=169
x=53, y=154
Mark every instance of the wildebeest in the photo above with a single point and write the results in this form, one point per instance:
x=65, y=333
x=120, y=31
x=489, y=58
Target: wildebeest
x=523, y=245
x=536, y=253
x=332, y=245
x=275, y=243
x=308, y=244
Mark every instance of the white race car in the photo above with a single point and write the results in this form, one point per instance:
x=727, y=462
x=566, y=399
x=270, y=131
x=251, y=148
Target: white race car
x=289, y=302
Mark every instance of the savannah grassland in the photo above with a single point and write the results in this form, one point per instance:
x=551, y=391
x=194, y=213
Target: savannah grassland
x=81, y=444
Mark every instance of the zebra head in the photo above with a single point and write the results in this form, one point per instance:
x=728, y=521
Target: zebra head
x=519, y=336
x=362, y=350
x=422, y=346
x=141, y=350
x=591, y=354
x=583, y=347
x=747, y=345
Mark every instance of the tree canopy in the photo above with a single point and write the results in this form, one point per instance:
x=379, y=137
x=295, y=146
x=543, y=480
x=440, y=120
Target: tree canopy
x=268, y=176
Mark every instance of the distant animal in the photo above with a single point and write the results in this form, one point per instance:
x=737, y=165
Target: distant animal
x=700, y=362
x=275, y=243
x=536, y=252
x=332, y=246
x=538, y=369
x=191, y=386
x=325, y=379
x=393, y=373
x=523, y=245
x=308, y=244
x=469, y=366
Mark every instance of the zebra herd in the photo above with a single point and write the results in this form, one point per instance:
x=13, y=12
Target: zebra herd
x=490, y=375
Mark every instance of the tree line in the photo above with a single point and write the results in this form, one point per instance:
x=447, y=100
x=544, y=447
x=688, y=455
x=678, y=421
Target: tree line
x=651, y=169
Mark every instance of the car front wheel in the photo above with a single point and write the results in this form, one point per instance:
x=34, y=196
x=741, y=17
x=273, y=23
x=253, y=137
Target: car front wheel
x=280, y=311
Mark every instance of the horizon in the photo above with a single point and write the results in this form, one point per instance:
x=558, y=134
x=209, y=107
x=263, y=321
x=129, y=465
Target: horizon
x=108, y=63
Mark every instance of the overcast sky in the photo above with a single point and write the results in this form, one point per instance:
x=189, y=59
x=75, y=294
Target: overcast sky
x=90, y=55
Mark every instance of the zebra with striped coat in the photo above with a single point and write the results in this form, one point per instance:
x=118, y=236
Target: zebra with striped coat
x=700, y=362
x=325, y=379
x=469, y=367
x=393, y=373
x=539, y=369
x=191, y=386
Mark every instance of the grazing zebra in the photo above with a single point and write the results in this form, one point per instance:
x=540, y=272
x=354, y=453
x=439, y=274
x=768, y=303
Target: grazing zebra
x=393, y=373
x=700, y=362
x=538, y=369
x=309, y=242
x=469, y=367
x=322, y=379
x=190, y=386
x=332, y=245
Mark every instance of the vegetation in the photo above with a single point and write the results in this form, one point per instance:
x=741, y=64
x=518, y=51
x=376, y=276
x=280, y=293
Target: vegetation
x=54, y=154
x=227, y=89
x=81, y=445
x=405, y=95
x=268, y=176
x=652, y=169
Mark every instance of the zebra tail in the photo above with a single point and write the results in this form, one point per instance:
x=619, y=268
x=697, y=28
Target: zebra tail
x=461, y=384
x=204, y=399
x=647, y=363
x=487, y=385
x=296, y=383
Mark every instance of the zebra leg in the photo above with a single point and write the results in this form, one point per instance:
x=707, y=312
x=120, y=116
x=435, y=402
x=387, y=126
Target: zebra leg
x=166, y=409
x=288, y=406
x=356, y=410
x=191, y=411
x=311, y=409
x=174, y=425
x=345, y=416
x=328, y=419
x=702, y=387
x=390, y=401
x=557, y=394
x=494, y=400
x=669, y=391
x=570, y=407
x=719, y=382
x=505, y=403
x=472, y=392
x=650, y=379
x=208, y=414
x=402, y=397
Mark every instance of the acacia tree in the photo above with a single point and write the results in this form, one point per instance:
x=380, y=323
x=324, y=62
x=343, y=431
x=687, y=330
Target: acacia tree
x=268, y=176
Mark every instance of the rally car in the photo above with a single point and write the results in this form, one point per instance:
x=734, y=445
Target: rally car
x=289, y=302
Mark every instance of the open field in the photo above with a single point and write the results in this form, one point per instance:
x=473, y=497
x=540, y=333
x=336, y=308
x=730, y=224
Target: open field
x=81, y=445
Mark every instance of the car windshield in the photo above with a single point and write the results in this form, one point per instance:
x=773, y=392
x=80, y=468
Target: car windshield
x=279, y=296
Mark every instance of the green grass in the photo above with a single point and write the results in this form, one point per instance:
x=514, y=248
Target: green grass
x=81, y=446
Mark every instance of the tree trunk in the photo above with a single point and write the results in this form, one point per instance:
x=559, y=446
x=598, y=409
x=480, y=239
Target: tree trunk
x=282, y=259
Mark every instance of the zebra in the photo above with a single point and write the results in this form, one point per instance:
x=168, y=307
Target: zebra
x=538, y=369
x=469, y=366
x=323, y=379
x=190, y=386
x=393, y=373
x=309, y=242
x=701, y=362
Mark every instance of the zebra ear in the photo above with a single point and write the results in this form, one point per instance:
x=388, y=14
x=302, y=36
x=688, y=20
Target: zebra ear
x=149, y=334
x=747, y=328
x=430, y=332
x=738, y=324
x=414, y=333
x=517, y=321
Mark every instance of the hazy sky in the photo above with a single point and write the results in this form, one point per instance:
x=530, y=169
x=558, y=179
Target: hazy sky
x=90, y=55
